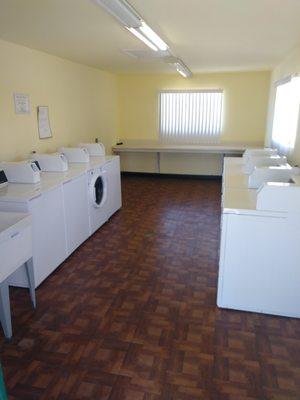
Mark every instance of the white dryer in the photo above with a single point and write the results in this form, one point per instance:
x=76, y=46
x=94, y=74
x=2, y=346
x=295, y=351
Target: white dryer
x=98, y=197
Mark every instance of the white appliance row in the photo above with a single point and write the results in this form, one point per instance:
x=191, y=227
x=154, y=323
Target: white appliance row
x=29, y=171
x=66, y=208
x=260, y=234
x=253, y=169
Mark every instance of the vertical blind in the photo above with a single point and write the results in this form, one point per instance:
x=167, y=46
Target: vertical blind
x=191, y=116
x=286, y=114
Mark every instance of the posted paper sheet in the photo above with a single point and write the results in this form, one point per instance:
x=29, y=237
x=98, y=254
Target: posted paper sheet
x=22, y=105
x=43, y=122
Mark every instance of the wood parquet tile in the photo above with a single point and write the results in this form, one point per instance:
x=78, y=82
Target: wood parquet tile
x=132, y=314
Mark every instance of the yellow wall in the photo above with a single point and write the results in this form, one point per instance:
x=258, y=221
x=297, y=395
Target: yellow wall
x=245, y=102
x=290, y=65
x=85, y=103
x=82, y=102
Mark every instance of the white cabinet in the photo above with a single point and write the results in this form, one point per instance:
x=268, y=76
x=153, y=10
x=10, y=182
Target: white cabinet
x=76, y=211
x=48, y=233
x=114, y=185
x=49, y=238
x=259, y=264
x=259, y=254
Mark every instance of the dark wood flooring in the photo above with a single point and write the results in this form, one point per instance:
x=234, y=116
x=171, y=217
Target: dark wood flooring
x=132, y=314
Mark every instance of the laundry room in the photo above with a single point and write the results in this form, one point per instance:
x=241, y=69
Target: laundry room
x=149, y=199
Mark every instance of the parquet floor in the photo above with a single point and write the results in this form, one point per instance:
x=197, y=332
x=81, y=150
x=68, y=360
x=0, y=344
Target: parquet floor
x=131, y=315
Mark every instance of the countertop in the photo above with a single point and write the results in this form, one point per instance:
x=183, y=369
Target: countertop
x=221, y=148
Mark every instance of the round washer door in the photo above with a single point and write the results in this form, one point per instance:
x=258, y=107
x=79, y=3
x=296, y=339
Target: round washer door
x=98, y=190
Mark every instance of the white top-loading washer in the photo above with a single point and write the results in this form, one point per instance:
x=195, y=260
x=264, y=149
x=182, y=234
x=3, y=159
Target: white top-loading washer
x=94, y=149
x=75, y=154
x=76, y=210
x=55, y=162
x=273, y=160
x=75, y=202
x=21, y=171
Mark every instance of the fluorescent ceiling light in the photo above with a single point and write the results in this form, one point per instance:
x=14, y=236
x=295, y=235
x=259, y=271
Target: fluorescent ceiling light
x=179, y=65
x=182, y=69
x=122, y=11
x=181, y=72
x=133, y=22
x=153, y=37
x=128, y=17
x=142, y=38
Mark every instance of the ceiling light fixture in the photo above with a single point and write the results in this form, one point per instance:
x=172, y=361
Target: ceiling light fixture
x=136, y=33
x=180, y=66
x=183, y=69
x=132, y=21
x=122, y=11
x=153, y=37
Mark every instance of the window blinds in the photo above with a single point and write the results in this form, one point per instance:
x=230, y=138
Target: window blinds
x=191, y=116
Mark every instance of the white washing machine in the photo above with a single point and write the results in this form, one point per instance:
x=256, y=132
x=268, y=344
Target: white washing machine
x=98, y=197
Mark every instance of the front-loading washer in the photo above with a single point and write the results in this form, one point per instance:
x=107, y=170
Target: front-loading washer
x=98, y=198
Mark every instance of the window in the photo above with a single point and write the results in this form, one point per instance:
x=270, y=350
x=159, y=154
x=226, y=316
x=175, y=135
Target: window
x=191, y=116
x=286, y=114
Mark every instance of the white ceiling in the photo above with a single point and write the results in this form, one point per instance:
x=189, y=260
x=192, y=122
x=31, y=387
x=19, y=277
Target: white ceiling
x=209, y=35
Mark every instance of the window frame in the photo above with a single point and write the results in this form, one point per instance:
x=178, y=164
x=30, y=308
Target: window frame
x=206, y=90
x=283, y=148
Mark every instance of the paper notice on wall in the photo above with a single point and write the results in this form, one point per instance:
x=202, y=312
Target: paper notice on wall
x=22, y=105
x=43, y=122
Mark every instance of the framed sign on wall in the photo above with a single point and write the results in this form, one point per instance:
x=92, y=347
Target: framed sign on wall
x=43, y=122
x=22, y=104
